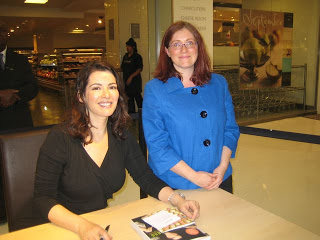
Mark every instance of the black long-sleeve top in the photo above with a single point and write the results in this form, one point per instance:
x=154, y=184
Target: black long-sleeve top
x=67, y=175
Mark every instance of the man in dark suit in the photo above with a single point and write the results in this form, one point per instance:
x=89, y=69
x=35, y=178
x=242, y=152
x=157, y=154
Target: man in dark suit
x=17, y=87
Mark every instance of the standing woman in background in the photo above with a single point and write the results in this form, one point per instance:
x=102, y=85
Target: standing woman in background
x=132, y=66
x=188, y=116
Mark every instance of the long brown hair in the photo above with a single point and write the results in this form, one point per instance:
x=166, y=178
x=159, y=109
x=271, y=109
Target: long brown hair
x=76, y=121
x=202, y=66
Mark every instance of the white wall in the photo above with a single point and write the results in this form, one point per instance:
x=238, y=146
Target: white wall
x=125, y=12
x=318, y=100
x=160, y=18
x=225, y=55
x=112, y=46
x=135, y=11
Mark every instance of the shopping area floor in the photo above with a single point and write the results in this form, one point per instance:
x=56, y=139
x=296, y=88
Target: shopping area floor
x=280, y=176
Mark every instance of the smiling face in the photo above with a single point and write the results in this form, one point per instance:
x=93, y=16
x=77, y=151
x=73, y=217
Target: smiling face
x=101, y=95
x=183, y=59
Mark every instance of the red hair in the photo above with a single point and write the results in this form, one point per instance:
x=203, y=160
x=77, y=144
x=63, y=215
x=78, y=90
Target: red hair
x=202, y=67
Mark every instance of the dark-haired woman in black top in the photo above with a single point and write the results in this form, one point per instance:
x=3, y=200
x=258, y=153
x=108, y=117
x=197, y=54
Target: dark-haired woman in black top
x=83, y=160
x=132, y=66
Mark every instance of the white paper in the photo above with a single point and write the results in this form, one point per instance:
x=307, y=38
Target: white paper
x=161, y=219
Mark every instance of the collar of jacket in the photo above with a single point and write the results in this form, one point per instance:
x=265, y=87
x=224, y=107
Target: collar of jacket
x=173, y=84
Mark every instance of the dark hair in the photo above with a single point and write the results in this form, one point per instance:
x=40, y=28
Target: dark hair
x=131, y=42
x=202, y=66
x=76, y=121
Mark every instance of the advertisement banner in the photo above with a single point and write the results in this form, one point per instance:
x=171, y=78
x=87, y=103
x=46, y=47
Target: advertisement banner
x=265, y=49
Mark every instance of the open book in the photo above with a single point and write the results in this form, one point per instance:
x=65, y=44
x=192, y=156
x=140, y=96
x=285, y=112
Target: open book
x=167, y=224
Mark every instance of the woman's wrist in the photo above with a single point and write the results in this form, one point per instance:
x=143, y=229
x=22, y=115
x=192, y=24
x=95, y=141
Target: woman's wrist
x=81, y=221
x=175, y=198
x=193, y=176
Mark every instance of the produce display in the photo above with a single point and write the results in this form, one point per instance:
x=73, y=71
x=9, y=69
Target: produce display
x=48, y=62
x=50, y=74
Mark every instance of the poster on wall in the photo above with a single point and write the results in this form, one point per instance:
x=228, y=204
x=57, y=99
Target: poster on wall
x=265, y=49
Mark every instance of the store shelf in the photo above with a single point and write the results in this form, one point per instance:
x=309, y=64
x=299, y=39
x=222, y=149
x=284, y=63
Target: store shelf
x=70, y=61
x=70, y=69
x=47, y=73
x=48, y=65
x=60, y=69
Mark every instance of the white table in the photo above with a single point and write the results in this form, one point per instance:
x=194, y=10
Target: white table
x=224, y=216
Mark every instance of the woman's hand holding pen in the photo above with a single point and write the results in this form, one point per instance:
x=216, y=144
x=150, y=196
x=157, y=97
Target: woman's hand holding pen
x=91, y=231
x=190, y=208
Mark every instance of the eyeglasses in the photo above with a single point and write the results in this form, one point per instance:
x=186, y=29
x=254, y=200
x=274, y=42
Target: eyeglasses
x=179, y=45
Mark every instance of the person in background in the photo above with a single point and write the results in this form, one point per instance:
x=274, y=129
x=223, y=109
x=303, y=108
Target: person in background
x=132, y=66
x=188, y=116
x=18, y=86
x=83, y=160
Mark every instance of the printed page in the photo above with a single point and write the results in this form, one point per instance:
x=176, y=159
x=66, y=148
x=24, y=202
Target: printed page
x=161, y=219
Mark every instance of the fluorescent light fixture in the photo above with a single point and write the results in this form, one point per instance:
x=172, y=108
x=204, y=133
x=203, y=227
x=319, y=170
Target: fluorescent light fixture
x=77, y=31
x=36, y=1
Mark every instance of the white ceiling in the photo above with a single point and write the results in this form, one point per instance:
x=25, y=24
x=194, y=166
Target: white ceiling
x=59, y=16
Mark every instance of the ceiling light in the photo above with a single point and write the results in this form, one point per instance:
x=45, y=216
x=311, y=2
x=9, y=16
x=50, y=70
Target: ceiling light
x=18, y=27
x=77, y=30
x=100, y=19
x=87, y=25
x=36, y=1
x=11, y=30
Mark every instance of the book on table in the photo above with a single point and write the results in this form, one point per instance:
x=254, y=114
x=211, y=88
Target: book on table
x=167, y=224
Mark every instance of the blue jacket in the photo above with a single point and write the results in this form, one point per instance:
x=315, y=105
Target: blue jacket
x=190, y=124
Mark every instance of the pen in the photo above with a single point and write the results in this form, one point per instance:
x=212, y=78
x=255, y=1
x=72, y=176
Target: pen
x=107, y=229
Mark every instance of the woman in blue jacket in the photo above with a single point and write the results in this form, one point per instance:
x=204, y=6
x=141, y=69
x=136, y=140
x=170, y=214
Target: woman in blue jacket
x=188, y=116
